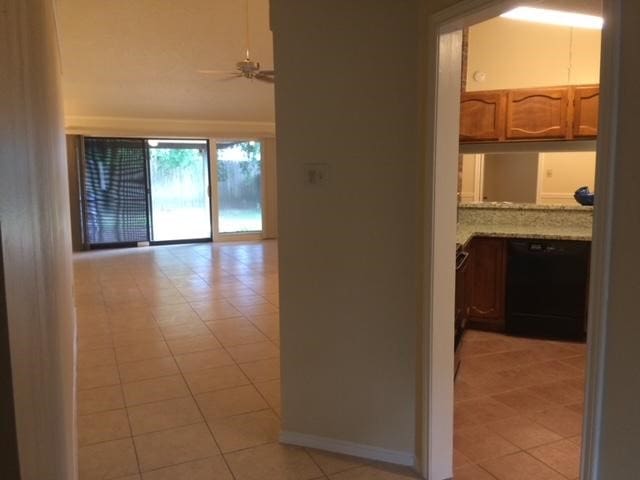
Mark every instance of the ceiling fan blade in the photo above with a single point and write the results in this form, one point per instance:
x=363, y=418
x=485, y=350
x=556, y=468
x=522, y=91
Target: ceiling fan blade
x=268, y=72
x=230, y=77
x=264, y=78
x=215, y=72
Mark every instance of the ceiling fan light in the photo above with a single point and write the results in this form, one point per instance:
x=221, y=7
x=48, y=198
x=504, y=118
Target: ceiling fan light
x=554, y=17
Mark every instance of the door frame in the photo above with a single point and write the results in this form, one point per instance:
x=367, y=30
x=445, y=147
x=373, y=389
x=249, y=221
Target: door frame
x=434, y=447
x=215, y=199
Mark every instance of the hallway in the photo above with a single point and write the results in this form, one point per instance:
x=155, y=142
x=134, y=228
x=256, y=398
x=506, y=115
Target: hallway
x=178, y=368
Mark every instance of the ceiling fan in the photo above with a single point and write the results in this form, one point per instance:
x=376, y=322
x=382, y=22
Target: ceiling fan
x=246, y=68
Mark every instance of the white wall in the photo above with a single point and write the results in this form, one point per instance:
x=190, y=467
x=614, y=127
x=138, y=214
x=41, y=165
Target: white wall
x=516, y=54
x=34, y=211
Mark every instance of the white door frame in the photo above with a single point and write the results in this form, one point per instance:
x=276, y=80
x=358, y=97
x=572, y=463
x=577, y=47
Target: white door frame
x=478, y=177
x=440, y=148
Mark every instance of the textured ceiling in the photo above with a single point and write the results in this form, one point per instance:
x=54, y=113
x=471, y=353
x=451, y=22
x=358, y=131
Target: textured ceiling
x=138, y=58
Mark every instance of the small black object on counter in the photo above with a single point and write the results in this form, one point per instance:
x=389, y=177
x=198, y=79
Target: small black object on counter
x=583, y=196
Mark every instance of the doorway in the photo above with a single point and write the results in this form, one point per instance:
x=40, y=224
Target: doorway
x=444, y=72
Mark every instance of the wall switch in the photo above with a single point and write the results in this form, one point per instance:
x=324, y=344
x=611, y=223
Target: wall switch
x=316, y=174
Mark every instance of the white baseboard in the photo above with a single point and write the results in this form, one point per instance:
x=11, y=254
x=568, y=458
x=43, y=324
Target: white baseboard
x=348, y=448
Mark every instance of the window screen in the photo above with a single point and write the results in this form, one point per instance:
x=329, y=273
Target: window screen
x=115, y=191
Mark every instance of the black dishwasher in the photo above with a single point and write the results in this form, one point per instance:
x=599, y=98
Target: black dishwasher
x=547, y=283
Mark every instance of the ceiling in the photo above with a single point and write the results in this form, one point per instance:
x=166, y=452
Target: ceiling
x=139, y=59
x=589, y=7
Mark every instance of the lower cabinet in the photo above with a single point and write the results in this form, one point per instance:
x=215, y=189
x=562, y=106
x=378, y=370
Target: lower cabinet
x=486, y=287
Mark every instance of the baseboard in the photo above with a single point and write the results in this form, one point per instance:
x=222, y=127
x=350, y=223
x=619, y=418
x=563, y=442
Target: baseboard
x=348, y=448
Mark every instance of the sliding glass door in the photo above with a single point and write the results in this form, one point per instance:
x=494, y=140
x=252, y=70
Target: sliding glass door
x=179, y=181
x=145, y=191
x=239, y=172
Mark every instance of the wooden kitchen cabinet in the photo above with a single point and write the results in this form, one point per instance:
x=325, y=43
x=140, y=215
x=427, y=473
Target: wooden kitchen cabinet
x=537, y=113
x=486, y=288
x=482, y=116
x=532, y=114
x=586, y=106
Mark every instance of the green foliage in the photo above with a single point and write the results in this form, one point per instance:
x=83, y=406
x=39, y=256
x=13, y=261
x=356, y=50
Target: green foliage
x=249, y=168
x=164, y=161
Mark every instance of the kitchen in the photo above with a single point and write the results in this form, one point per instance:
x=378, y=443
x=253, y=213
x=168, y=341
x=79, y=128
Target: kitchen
x=529, y=110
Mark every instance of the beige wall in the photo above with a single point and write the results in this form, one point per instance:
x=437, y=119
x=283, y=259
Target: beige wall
x=510, y=177
x=516, y=54
x=563, y=173
x=34, y=210
x=348, y=272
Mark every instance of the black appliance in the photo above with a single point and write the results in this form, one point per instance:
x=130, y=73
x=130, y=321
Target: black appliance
x=547, y=284
x=461, y=304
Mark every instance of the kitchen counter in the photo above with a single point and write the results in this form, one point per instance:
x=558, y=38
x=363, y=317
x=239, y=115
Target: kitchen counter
x=511, y=220
x=466, y=232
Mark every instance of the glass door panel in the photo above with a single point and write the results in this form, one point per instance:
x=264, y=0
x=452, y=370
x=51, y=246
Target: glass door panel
x=239, y=168
x=115, y=192
x=179, y=180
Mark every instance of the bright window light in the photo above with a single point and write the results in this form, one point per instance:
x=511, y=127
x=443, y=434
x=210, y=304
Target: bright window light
x=554, y=17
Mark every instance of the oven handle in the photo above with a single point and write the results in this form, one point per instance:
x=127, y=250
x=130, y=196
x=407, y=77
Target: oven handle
x=461, y=259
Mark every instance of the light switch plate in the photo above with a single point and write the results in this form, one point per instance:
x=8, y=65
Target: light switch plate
x=316, y=174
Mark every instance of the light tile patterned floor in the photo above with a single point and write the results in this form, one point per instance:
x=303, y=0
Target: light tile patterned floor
x=179, y=369
x=518, y=411
x=179, y=379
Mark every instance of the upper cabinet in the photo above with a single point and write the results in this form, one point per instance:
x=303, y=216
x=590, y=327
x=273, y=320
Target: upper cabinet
x=537, y=113
x=586, y=103
x=481, y=116
x=532, y=114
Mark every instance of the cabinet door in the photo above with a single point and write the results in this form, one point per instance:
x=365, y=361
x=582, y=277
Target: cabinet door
x=586, y=102
x=537, y=113
x=486, y=287
x=482, y=116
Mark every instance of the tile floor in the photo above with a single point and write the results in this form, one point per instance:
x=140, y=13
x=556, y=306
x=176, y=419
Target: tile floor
x=178, y=378
x=518, y=410
x=178, y=369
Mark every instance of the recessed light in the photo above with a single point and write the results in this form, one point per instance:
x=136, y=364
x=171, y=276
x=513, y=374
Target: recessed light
x=554, y=17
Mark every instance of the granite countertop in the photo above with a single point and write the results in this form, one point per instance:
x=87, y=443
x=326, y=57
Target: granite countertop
x=522, y=206
x=467, y=232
